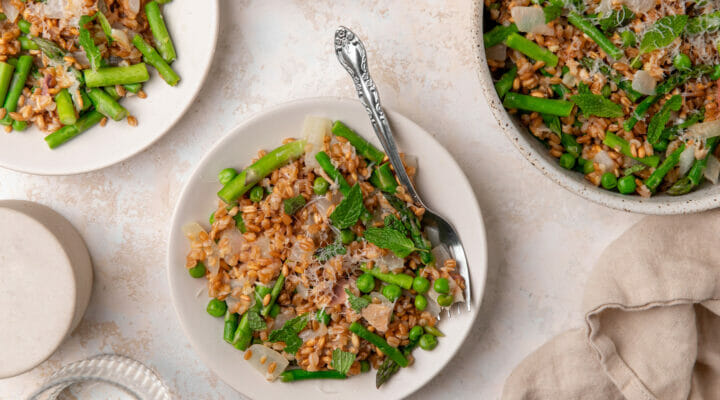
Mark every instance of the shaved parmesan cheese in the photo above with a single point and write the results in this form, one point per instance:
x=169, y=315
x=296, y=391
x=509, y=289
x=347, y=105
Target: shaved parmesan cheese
x=712, y=170
x=314, y=131
x=122, y=38
x=604, y=160
x=639, y=6
x=644, y=83
x=704, y=130
x=570, y=80
x=531, y=19
x=191, y=230
x=687, y=157
x=261, y=357
x=10, y=11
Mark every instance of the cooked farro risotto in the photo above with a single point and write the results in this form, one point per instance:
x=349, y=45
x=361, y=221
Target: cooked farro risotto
x=319, y=262
x=65, y=65
x=622, y=91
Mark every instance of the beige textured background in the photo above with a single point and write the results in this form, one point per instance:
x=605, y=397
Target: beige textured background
x=542, y=239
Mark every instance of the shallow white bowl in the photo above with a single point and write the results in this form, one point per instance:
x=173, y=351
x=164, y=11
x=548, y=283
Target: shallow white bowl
x=442, y=184
x=704, y=198
x=194, y=30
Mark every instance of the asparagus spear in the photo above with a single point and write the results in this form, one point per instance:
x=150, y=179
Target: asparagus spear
x=106, y=105
x=279, y=284
x=692, y=179
x=298, y=374
x=16, y=87
x=163, y=42
x=412, y=223
x=65, y=108
x=669, y=163
x=363, y=147
x=6, y=73
x=68, y=132
x=111, y=76
x=154, y=59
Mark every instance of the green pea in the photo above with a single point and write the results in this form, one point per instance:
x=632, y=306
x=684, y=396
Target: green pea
x=606, y=91
x=256, y=194
x=320, y=186
x=366, y=283
x=364, y=366
x=347, y=236
x=420, y=302
x=442, y=285
x=420, y=284
x=198, y=271
x=226, y=175
x=445, y=300
x=216, y=308
x=626, y=184
x=391, y=292
x=275, y=310
x=608, y=180
x=567, y=161
x=428, y=342
x=588, y=167
x=212, y=218
x=323, y=317
x=682, y=62
x=628, y=38
x=715, y=74
x=416, y=332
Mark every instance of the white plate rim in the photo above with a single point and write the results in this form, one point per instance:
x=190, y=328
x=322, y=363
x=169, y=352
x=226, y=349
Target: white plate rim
x=480, y=274
x=112, y=161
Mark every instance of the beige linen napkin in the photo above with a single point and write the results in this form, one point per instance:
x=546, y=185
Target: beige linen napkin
x=652, y=321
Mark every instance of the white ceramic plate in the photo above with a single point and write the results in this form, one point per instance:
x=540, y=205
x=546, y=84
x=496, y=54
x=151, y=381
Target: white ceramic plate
x=441, y=183
x=704, y=198
x=194, y=30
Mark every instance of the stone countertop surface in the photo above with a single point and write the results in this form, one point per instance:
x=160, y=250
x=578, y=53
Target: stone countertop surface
x=542, y=239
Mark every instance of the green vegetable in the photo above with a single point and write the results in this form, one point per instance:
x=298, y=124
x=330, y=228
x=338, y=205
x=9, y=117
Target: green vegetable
x=403, y=280
x=504, y=84
x=393, y=353
x=231, y=323
x=553, y=123
x=416, y=332
x=356, y=303
x=277, y=288
x=365, y=283
x=552, y=12
x=323, y=317
x=17, y=84
x=705, y=23
x=298, y=374
x=256, y=194
x=226, y=175
x=571, y=145
x=198, y=271
x=428, y=342
x=255, y=321
x=326, y=164
x=587, y=167
x=682, y=62
x=388, y=238
x=524, y=102
x=383, y=178
x=391, y=292
x=320, y=186
x=216, y=308
x=105, y=25
x=324, y=254
x=594, y=104
x=608, y=180
x=347, y=236
x=68, y=132
x=363, y=147
x=498, y=34
x=154, y=59
x=420, y=302
x=663, y=32
x=433, y=331
x=106, y=105
x=274, y=311
x=669, y=163
x=616, y=18
x=160, y=33
x=594, y=33
x=91, y=50
x=24, y=26
x=342, y=361
x=442, y=285
x=294, y=204
x=65, y=108
x=421, y=284
x=346, y=213
x=531, y=49
x=660, y=119
x=628, y=38
x=27, y=44
x=412, y=225
x=567, y=161
x=111, y=76
x=239, y=223
x=364, y=366
x=6, y=74
x=260, y=169
x=392, y=222
x=626, y=184
x=694, y=176
x=289, y=333
x=615, y=142
x=634, y=169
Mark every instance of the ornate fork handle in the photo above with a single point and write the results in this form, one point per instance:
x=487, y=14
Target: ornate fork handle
x=353, y=57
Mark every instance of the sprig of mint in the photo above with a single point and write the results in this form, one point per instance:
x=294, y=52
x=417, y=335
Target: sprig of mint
x=289, y=333
x=663, y=32
x=325, y=253
x=356, y=303
x=348, y=211
x=390, y=239
x=342, y=361
x=661, y=118
x=255, y=321
x=595, y=104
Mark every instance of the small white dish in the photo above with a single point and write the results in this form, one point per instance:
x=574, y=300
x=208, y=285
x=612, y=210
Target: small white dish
x=704, y=198
x=45, y=287
x=194, y=30
x=441, y=183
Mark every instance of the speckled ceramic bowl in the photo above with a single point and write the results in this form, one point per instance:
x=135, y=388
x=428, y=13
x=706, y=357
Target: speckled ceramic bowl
x=704, y=198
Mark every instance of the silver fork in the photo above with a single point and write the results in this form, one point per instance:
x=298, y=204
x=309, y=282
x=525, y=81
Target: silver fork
x=352, y=56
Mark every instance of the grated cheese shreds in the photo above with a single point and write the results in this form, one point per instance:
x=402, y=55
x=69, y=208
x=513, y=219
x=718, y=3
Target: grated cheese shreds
x=67, y=13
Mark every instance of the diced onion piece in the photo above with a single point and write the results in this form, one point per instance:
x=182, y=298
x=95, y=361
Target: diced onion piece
x=121, y=37
x=604, y=160
x=192, y=230
x=712, y=170
x=644, y=83
x=133, y=6
x=10, y=11
x=411, y=161
x=456, y=291
x=308, y=334
x=605, y=6
x=393, y=263
x=497, y=52
x=570, y=80
x=531, y=19
x=314, y=131
x=441, y=254
x=259, y=352
x=432, y=306
x=433, y=235
x=687, y=157
x=639, y=6
x=282, y=318
x=704, y=130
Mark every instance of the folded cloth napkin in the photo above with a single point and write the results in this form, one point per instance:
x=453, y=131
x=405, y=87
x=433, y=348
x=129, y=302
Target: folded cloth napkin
x=652, y=321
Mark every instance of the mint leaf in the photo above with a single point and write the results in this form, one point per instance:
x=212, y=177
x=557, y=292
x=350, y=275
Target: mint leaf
x=356, y=303
x=294, y=204
x=594, y=104
x=553, y=123
x=342, y=361
x=661, y=118
x=325, y=253
x=255, y=321
x=388, y=238
x=289, y=334
x=705, y=23
x=393, y=222
x=616, y=19
x=348, y=211
x=552, y=12
x=663, y=32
